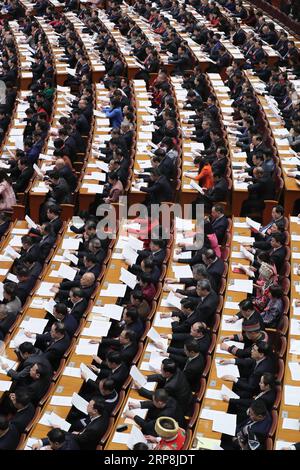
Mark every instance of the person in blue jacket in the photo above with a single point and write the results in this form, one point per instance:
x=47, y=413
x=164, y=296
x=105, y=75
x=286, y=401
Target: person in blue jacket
x=114, y=113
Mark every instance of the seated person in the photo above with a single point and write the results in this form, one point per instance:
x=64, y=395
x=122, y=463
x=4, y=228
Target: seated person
x=9, y=435
x=88, y=432
x=253, y=432
x=126, y=344
x=251, y=369
x=57, y=440
x=53, y=343
x=173, y=380
x=113, y=368
x=87, y=286
x=161, y=405
x=60, y=314
x=10, y=307
x=24, y=409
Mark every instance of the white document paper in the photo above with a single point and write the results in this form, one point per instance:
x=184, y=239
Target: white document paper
x=114, y=290
x=5, y=385
x=182, y=271
x=59, y=400
x=295, y=370
x=66, y=272
x=12, y=278
x=109, y=311
x=136, y=436
x=225, y=424
x=71, y=243
x=34, y=325
x=85, y=348
x=88, y=372
x=44, y=289
x=241, y=285
x=97, y=329
x=72, y=372
x=173, y=301
x=80, y=403
x=291, y=395
x=128, y=278
x=236, y=327
x=71, y=257
x=227, y=369
x=137, y=376
x=9, y=362
x=289, y=423
x=30, y=222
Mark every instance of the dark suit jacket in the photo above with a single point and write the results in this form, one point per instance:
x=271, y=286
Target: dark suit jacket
x=220, y=226
x=218, y=192
x=249, y=384
x=61, y=193
x=23, y=417
x=207, y=308
x=278, y=257
x=79, y=309
x=53, y=350
x=22, y=182
x=159, y=191
x=147, y=425
x=44, y=247
x=90, y=437
x=177, y=386
x=215, y=270
x=10, y=440
x=193, y=371
x=118, y=376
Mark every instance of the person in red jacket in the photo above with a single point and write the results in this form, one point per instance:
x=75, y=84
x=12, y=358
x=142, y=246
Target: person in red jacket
x=172, y=436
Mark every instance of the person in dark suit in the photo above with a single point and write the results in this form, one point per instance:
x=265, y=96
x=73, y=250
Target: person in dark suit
x=60, y=313
x=113, y=368
x=219, y=222
x=88, y=432
x=173, y=380
x=267, y=394
x=53, y=218
x=252, y=368
x=126, y=345
x=28, y=355
x=159, y=188
x=54, y=343
x=46, y=243
x=87, y=286
x=161, y=405
x=36, y=382
x=59, y=190
x=77, y=303
x=199, y=332
x=156, y=252
x=215, y=194
x=57, y=440
x=192, y=363
x=24, y=410
x=25, y=284
x=251, y=434
x=184, y=319
x=26, y=173
x=278, y=251
x=214, y=266
x=104, y=389
x=66, y=173
x=262, y=188
x=207, y=302
x=9, y=435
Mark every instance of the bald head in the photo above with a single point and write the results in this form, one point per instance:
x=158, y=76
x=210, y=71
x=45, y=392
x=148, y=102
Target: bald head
x=87, y=280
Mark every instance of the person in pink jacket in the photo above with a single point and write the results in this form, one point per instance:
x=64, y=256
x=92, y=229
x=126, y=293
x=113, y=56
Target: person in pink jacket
x=7, y=195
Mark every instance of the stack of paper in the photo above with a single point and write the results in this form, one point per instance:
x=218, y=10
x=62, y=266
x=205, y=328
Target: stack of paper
x=85, y=348
x=97, y=329
x=34, y=325
x=114, y=290
x=241, y=285
x=291, y=395
x=128, y=278
x=227, y=369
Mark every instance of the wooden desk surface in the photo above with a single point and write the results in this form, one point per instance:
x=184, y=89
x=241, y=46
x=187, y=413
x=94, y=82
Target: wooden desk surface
x=289, y=411
x=204, y=427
